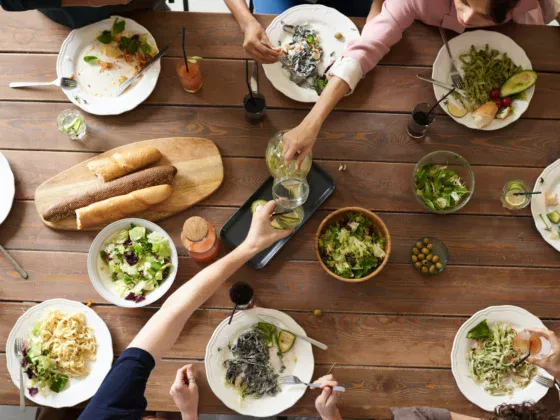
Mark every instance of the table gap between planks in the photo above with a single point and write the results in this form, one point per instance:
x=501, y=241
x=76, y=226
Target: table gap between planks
x=390, y=337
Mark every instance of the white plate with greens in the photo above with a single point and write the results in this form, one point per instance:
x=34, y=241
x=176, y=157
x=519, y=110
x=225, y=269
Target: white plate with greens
x=461, y=44
x=516, y=318
x=327, y=22
x=78, y=389
x=548, y=183
x=98, y=85
x=298, y=361
x=7, y=188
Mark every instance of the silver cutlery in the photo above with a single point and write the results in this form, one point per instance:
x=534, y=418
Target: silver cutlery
x=455, y=76
x=20, y=270
x=544, y=381
x=150, y=63
x=18, y=349
x=294, y=380
x=304, y=338
x=441, y=84
x=64, y=82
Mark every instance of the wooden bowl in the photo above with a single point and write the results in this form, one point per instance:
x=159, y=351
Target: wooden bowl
x=380, y=228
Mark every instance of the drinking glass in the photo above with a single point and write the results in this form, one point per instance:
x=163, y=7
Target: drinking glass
x=190, y=79
x=290, y=192
x=539, y=344
x=515, y=202
x=419, y=122
x=71, y=123
x=255, y=106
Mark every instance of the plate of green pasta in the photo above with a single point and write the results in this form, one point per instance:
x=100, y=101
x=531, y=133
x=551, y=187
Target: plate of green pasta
x=498, y=80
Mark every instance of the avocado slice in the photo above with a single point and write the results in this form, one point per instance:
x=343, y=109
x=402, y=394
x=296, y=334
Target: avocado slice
x=285, y=341
x=276, y=224
x=554, y=217
x=518, y=83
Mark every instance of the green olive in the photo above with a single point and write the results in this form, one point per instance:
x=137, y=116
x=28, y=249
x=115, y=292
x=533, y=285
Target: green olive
x=415, y=251
x=425, y=251
x=414, y=258
x=439, y=266
x=424, y=269
x=418, y=245
x=425, y=262
x=426, y=240
x=430, y=246
x=418, y=264
x=435, y=259
x=432, y=269
x=421, y=257
x=429, y=257
x=318, y=313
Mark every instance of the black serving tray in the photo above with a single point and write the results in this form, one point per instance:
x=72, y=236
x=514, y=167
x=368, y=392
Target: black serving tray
x=321, y=186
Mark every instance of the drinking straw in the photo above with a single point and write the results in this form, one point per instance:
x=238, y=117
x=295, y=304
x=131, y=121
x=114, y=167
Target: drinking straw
x=184, y=51
x=437, y=103
x=528, y=193
x=232, y=313
x=247, y=79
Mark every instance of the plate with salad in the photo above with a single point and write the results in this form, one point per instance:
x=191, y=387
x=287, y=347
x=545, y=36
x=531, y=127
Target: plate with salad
x=132, y=262
x=101, y=57
x=311, y=37
x=545, y=207
x=483, y=358
x=67, y=353
x=498, y=80
x=245, y=359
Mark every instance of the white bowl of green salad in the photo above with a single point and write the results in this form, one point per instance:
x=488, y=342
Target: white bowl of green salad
x=132, y=263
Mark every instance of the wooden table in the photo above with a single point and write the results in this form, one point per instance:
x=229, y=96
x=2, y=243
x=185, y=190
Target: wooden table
x=390, y=337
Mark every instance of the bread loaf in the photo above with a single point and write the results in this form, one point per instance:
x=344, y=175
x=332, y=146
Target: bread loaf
x=122, y=163
x=119, y=207
x=485, y=114
x=147, y=178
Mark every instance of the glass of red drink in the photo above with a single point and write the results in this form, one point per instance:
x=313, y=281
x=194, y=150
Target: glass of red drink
x=190, y=79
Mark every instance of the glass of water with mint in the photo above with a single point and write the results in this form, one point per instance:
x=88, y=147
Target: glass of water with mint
x=71, y=123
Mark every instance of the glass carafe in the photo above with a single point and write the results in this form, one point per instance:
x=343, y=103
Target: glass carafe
x=290, y=189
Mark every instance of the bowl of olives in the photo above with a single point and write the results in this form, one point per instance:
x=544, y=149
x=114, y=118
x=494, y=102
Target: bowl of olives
x=429, y=255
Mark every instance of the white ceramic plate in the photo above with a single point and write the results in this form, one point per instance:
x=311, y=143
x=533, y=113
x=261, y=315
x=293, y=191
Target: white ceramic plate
x=7, y=188
x=78, y=389
x=550, y=184
x=96, y=92
x=518, y=319
x=299, y=362
x=327, y=21
x=462, y=44
x=102, y=281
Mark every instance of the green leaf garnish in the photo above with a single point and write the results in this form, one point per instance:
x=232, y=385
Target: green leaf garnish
x=118, y=27
x=91, y=59
x=481, y=331
x=105, y=37
x=145, y=48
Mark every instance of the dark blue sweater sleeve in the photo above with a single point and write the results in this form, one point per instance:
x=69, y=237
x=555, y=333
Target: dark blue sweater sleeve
x=22, y=5
x=121, y=395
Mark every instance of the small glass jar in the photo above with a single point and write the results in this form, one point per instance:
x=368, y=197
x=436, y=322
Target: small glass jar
x=190, y=79
x=419, y=121
x=200, y=239
x=71, y=123
x=515, y=202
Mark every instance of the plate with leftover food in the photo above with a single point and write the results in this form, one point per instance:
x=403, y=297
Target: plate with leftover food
x=7, y=188
x=545, y=207
x=311, y=36
x=483, y=358
x=67, y=353
x=498, y=80
x=101, y=57
x=245, y=359
x=132, y=263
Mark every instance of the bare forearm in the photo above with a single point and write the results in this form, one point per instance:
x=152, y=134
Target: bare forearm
x=240, y=12
x=333, y=93
x=162, y=330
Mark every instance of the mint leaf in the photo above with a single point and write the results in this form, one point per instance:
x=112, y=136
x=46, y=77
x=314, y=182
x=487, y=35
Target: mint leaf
x=105, y=37
x=118, y=27
x=91, y=59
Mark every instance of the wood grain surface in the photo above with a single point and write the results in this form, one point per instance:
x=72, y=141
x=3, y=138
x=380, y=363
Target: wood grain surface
x=199, y=174
x=391, y=336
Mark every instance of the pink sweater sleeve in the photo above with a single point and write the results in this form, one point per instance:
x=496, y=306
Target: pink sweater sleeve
x=381, y=33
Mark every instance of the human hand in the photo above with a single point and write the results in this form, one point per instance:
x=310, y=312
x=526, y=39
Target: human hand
x=326, y=402
x=262, y=234
x=550, y=363
x=254, y=34
x=298, y=143
x=184, y=392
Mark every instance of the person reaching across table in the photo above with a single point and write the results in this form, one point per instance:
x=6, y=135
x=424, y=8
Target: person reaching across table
x=384, y=31
x=121, y=395
x=78, y=13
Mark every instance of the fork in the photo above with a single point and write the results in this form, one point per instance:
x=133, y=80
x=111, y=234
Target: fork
x=544, y=381
x=455, y=76
x=64, y=82
x=294, y=380
x=18, y=349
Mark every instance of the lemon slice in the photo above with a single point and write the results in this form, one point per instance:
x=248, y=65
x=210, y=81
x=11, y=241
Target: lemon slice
x=515, y=200
x=456, y=110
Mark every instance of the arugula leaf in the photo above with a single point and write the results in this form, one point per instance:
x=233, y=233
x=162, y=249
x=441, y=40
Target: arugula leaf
x=118, y=27
x=105, y=37
x=91, y=59
x=480, y=331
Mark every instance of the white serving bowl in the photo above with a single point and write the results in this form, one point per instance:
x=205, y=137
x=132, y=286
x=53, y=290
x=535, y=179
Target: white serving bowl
x=100, y=285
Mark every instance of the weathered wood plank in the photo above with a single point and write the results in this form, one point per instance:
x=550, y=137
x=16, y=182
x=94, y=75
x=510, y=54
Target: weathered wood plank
x=32, y=32
x=389, y=190
x=459, y=290
x=471, y=239
x=353, y=136
x=387, y=89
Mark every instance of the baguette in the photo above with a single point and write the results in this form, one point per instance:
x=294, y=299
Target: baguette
x=116, y=208
x=122, y=163
x=485, y=114
x=147, y=178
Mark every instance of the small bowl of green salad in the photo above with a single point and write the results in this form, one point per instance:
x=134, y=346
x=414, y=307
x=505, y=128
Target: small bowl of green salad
x=132, y=262
x=443, y=182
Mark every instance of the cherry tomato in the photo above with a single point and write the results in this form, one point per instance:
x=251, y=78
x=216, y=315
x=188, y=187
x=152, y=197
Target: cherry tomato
x=495, y=94
x=506, y=102
x=499, y=103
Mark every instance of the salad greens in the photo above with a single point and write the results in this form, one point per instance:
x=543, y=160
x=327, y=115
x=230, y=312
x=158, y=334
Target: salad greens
x=492, y=362
x=441, y=188
x=351, y=248
x=480, y=331
x=39, y=367
x=138, y=261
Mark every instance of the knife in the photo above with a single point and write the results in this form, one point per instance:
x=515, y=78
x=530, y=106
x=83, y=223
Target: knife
x=441, y=84
x=126, y=84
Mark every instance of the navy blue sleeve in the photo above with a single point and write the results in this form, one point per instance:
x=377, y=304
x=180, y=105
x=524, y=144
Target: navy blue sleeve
x=22, y=5
x=121, y=395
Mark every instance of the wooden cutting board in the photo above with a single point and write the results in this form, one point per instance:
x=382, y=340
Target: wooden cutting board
x=199, y=173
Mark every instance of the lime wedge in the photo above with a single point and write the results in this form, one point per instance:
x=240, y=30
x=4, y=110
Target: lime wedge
x=456, y=110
